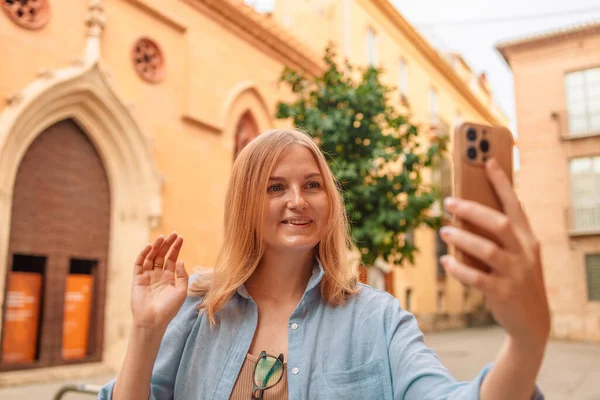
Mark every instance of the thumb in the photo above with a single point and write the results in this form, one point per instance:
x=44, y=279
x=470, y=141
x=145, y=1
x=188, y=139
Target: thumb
x=182, y=276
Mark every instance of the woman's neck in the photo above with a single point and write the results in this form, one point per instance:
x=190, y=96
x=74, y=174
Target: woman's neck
x=281, y=277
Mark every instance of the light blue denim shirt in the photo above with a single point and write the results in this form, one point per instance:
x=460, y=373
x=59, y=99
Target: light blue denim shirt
x=369, y=348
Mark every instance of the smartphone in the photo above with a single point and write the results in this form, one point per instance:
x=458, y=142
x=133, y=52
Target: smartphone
x=474, y=144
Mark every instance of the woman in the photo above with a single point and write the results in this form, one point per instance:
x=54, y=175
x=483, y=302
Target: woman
x=282, y=315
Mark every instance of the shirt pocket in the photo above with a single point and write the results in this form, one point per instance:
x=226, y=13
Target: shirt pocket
x=364, y=382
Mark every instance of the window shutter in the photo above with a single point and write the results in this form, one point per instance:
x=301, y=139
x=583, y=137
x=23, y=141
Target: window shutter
x=592, y=266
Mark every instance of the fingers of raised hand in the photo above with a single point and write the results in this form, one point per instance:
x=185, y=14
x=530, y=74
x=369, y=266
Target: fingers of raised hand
x=139, y=261
x=486, y=218
x=149, y=260
x=159, y=260
x=467, y=275
x=173, y=254
x=483, y=249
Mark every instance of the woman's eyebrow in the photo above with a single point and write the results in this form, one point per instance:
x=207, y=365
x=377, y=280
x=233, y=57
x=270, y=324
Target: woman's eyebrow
x=310, y=175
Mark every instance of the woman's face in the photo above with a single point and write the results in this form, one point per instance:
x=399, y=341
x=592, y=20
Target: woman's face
x=297, y=206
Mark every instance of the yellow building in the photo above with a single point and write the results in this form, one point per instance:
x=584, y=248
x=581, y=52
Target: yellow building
x=437, y=91
x=121, y=121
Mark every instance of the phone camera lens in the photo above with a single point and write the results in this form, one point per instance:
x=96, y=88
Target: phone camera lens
x=471, y=134
x=471, y=153
x=484, y=145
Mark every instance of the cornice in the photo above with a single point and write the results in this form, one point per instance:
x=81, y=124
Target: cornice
x=545, y=38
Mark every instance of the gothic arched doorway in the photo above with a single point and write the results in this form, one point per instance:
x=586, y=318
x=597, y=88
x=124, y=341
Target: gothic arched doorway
x=59, y=235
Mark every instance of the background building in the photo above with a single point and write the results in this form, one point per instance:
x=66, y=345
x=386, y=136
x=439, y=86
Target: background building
x=121, y=121
x=557, y=86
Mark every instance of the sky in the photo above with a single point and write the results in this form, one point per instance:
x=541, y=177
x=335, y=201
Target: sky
x=474, y=27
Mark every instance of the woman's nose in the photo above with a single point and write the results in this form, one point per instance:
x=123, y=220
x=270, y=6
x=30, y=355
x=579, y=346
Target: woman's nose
x=296, y=200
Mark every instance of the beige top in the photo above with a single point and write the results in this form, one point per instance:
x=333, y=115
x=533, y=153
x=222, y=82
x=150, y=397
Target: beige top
x=243, y=386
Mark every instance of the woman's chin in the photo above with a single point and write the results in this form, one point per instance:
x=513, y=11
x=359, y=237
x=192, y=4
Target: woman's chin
x=296, y=245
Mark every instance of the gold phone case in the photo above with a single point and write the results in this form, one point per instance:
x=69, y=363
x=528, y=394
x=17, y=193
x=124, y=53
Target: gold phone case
x=470, y=181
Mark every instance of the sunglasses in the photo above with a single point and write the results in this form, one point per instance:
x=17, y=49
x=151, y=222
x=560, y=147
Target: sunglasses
x=268, y=371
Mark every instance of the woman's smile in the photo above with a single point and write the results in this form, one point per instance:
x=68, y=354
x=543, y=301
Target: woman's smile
x=297, y=222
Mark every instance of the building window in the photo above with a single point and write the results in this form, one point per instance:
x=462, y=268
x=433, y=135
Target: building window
x=592, y=268
x=433, y=106
x=441, y=249
x=389, y=281
x=148, y=60
x=409, y=237
x=442, y=177
x=583, y=100
x=440, y=301
x=458, y=118
x=372, y=47
x=29, y=14
x=442, y=182
x=465, y=299
x=408, y=299
x=403, y=78
x=246, y=130
x=585, y=194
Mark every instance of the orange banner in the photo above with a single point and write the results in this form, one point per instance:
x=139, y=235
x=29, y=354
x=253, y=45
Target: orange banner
x=78, y=299
x=22, y=317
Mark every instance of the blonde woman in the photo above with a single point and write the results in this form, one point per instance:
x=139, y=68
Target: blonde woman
x=283, y=316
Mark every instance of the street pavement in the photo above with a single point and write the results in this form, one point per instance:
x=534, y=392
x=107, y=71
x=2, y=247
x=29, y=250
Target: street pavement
x=571, y=371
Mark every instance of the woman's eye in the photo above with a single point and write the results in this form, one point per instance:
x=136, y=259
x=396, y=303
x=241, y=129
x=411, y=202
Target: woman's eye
x=275, y=188
x=313, y=185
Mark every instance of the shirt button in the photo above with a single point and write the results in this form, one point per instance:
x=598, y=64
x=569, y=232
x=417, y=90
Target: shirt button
x=294, y=326
x=295, y=371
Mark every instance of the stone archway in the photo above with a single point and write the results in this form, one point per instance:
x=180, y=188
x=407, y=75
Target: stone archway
x=246, y=115
x=82, y=94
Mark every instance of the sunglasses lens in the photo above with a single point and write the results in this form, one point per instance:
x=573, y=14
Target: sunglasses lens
x=269, y=371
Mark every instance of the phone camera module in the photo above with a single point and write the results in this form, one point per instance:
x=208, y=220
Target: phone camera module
x=471, y=153
x=484, y=145
x=471, y=134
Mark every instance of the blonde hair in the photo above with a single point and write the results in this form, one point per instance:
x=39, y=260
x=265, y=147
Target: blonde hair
x=243, y=247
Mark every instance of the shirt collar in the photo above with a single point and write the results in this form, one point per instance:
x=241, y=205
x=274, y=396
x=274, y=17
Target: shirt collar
x=317, y=275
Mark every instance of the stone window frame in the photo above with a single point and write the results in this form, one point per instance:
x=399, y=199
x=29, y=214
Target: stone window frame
x=12, y=7
x=159, y=62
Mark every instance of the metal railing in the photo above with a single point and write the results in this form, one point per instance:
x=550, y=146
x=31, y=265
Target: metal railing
x=572, y=125
x=77, y=388
x=584, y=220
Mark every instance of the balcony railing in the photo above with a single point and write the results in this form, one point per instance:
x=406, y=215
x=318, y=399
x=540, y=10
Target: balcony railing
x=572, y=125
x=584, y=220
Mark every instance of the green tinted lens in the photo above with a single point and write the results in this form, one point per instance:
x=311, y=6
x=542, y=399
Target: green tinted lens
x=268, y=372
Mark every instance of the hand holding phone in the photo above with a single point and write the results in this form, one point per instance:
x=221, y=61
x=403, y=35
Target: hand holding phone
x=496, y=250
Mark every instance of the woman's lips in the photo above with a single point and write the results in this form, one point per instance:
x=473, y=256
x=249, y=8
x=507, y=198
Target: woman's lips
x=297, y=222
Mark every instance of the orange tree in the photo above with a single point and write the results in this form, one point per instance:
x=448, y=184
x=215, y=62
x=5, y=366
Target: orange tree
x=374, y=152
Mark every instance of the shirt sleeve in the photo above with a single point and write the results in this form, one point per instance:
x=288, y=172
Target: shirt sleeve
x=417, y=372
x=169, y=354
